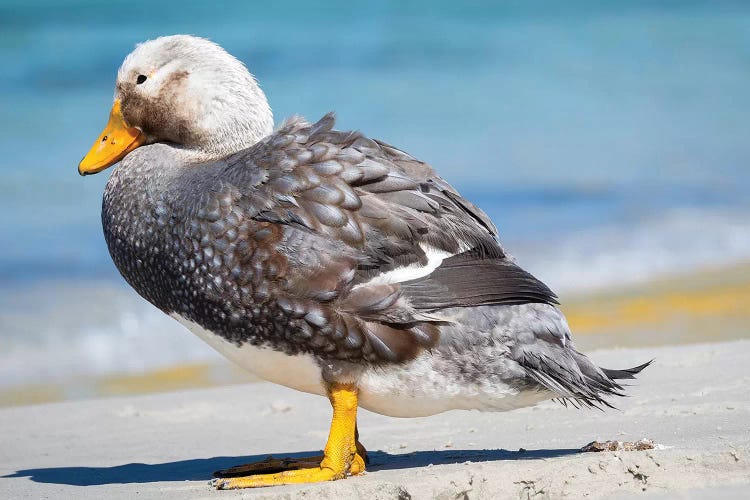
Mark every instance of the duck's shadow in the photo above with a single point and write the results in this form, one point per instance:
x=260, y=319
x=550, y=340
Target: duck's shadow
x=200, y=469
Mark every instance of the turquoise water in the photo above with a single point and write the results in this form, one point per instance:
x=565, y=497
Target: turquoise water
x=609, y=141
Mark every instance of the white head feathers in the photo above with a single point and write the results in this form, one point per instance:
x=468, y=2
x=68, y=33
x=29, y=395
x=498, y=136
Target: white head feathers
x=190, y=91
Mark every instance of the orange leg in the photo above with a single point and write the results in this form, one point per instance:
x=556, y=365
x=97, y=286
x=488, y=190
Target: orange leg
x=342, y=455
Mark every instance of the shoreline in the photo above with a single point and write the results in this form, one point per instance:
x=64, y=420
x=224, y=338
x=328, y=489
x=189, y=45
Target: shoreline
x=708, y=305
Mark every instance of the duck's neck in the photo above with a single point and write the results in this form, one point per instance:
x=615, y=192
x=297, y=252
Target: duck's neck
x=232, y=126
x=234, y=135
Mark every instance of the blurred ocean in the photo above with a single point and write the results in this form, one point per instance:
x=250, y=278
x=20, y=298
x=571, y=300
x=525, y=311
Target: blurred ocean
x=609, y=141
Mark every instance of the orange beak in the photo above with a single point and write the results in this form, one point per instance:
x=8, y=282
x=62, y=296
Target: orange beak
x=113, y=144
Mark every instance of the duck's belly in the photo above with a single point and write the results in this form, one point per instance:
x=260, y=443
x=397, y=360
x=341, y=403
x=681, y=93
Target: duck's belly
x=415, y=389
x=420, y=389
x=299, y=372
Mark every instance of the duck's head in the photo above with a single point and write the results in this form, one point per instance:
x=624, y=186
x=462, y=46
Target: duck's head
x=183, y=90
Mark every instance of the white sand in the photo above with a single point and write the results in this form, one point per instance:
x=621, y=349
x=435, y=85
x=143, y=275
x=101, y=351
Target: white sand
x=694, y=401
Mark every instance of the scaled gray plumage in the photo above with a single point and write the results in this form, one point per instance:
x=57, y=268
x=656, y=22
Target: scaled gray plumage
x=279, y=244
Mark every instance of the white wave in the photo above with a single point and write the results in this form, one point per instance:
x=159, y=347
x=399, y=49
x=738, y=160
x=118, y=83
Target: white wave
x=51, y=333
x=677, y=242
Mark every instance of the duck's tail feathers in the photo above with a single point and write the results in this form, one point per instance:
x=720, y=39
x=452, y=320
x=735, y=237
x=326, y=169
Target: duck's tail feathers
x=574, y=379
x=627, y=373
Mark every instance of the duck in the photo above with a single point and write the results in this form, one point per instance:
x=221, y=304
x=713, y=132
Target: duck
x=321, y=260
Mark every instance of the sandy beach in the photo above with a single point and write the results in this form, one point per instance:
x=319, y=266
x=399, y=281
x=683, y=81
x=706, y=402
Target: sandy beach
x=693, y=402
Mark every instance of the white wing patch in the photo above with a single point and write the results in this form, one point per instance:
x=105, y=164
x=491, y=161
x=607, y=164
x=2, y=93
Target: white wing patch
x=435, y=257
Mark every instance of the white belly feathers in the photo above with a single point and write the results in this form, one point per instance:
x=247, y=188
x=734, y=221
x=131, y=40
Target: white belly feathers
x=415, y=389
x=299, y=372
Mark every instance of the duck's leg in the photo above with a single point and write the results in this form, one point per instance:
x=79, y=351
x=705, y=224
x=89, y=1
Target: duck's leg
x=340, y=457
x=271, y=464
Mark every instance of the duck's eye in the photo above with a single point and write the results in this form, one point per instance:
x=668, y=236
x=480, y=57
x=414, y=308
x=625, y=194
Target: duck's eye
x=140, y=79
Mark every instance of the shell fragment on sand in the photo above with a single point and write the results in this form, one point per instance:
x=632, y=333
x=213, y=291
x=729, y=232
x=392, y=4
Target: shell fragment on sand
x=640, y=445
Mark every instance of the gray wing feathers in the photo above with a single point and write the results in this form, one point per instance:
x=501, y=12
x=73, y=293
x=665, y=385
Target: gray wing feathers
x=365, y=207
x=467, y=280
